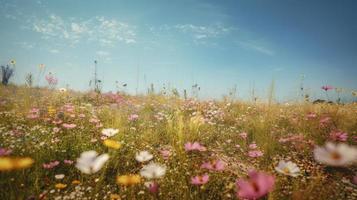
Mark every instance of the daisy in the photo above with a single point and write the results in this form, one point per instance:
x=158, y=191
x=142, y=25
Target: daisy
x=153, y=171
x=109, y=132
x=288, y=168
x=143, y=156
x=59, y=176
x=335, y=154
x=89, y=162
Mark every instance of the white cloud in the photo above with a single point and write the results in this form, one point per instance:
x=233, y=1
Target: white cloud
x=107, y=32
x=54, y=51
x=102, y=53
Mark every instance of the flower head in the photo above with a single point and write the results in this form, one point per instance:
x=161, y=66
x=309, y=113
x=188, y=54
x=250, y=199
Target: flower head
x=255, y=153
x=216, y=165
x=60, y=186
x=335, y=154
x=109, y=132
x=153, y=171
x=8, y=163
x=338, y=136
x=143, y=156
x=200, y=180
x=89, y=162
x=112, y=144
x=327, y=87
x=288, y=168
x=128, y=180
x=258, y=185
x=194, y=147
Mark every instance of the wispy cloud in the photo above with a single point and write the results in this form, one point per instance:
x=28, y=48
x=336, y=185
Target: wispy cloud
x=107, y=32
x=256, y=46
x=200, y=34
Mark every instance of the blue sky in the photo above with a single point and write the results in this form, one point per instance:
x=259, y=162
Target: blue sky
x=216, y=44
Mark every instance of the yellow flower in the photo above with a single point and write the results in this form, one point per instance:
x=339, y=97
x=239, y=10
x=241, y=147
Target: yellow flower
x=114, y=197
x=51, y=111
x=60, y=186
x=76, y=182
x=112, y=144
x=128, y=180
x=7, y=163
x=13, y=62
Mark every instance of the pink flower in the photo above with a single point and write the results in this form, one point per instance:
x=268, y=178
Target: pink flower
x=243, y=135
x=152, y=186
x=200, y=180
x=253, y=146
x=5, y=152
x=50, y=165
x=51, y=80
x=258, y=185
x=194, y=146
x=255, y=153
x=68, y=162
x=133, y=117
x=69, y=126
x=327, y=87
x=354, y=180
x=338, y=136
x=165, y=153
x=216, y=165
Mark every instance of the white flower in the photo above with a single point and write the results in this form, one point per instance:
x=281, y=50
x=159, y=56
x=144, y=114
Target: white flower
x=153, y=171
x=89, y=162
x=109, y=132
x=59, y=176
x=336, y=155
x=143, y=156
x=62, y=90
x=288, y=168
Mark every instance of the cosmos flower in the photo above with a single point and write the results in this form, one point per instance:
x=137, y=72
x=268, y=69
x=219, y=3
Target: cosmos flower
x=50, y=165
x=200, y=180
x=8, y=163
x=255, y=153
x=253, y=146
x=69, y=126
x=112, y=144
x=335, y=154
x=89, y=162
x=128, y=180
x=5, y=152
x=143, y=156
x=288, y=168
x=243, y=135
x=258, y=185
x=216, y=165
x=152, y=186
x=133, y=117
x=338, y=136
x=68, y=162
x=109, y=132
x=153, y=171
x=327, y=87
x=165, y=153
x=194, y=147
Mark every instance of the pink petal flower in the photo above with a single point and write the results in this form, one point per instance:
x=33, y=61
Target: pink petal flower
x=200, y=180
x=194, y=147
x=255, y=153
x=258, y=185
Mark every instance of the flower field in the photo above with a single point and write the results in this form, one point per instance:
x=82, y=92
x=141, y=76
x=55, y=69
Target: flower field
x=68, y=145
